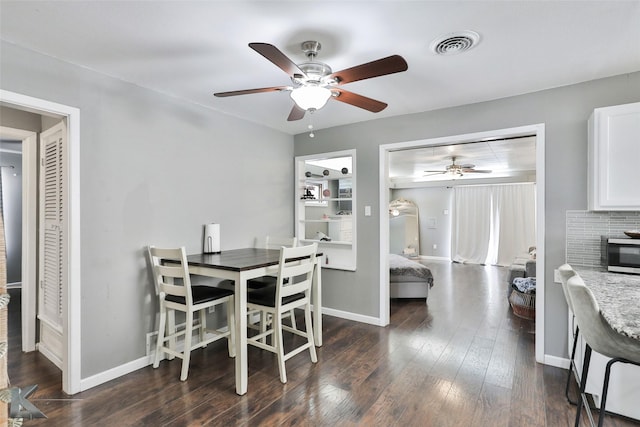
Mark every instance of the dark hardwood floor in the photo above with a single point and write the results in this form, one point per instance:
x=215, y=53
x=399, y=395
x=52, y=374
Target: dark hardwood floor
x=462, y=360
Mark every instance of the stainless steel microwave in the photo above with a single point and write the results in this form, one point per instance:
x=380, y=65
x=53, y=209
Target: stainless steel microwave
x=621, y=255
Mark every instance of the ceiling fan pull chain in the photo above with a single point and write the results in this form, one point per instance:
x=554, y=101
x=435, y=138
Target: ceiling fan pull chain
x=310, y=126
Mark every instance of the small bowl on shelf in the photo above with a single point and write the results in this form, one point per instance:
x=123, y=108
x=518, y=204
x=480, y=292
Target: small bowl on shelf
x=634, y=234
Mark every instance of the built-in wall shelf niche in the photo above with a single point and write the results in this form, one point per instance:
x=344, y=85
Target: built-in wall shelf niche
x=325, y=208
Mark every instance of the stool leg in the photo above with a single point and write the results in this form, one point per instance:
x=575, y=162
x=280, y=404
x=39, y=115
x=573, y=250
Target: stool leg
x=572, y=365
x=605, y=390
x=583, y=383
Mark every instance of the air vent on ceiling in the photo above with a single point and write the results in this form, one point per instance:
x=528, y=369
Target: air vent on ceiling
x=453, y=43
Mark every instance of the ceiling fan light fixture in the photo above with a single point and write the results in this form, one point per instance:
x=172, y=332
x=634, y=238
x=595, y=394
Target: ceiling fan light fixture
x=310, y=97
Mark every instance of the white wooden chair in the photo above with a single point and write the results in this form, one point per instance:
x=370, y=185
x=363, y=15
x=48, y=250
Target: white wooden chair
x=270, y=242
x=292, y=290
x=175, y=293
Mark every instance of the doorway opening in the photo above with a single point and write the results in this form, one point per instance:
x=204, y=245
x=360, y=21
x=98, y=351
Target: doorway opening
x=384, y=191
x=71, y=350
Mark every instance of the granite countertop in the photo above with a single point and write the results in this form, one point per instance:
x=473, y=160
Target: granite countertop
x=618, y=296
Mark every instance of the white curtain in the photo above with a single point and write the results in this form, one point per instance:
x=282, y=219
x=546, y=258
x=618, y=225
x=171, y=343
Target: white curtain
x=471, y=228
x=515, y=211
x=493, y=224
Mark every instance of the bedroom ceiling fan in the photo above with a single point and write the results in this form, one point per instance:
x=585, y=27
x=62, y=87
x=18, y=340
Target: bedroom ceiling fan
x=456, y=169
x=314, y=83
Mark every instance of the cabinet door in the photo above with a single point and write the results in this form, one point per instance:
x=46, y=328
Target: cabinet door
x=614, y=158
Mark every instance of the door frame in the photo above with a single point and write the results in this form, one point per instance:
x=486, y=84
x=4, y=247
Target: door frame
x=71, y=369
x=539, y=131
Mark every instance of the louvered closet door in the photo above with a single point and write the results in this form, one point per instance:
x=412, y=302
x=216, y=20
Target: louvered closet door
x=52, y=248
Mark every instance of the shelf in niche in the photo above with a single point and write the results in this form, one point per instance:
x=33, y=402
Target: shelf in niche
x=326, y=220
x=324, y=178
x=324, y=242
x=329, y=199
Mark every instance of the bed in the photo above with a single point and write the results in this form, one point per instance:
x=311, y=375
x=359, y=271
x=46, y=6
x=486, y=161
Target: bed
x=408, y=279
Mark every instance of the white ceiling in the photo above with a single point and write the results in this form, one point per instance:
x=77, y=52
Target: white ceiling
x=191, y=49
x=507, y=159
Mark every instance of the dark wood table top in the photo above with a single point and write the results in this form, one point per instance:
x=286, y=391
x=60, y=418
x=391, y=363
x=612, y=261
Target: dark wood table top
x=237, y=259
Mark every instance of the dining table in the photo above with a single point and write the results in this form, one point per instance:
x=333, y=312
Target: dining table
x=241, y=265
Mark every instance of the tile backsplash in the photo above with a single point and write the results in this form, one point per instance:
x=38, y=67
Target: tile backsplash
x=584, y=229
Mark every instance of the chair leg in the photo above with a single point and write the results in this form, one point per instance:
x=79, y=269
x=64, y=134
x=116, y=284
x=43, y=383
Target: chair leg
x=309, y=328
x=572, y=366
x=279, y=344
x=203, y=327
x=160, y=338
x=231, y=322
x=605, y=390
x=171, y=330
x=292, y=314
x=186, y=352
x=264, y=320
x=583, y=384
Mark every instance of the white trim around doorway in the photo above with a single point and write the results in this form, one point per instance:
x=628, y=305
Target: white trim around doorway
x=539, y=131
x=71, y=369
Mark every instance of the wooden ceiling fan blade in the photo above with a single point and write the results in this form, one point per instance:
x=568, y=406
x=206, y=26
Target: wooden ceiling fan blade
x=296, y=113
x=430, y=173
x=274, y=55
x=249, y=91
x=381, y=67
x=360, y=101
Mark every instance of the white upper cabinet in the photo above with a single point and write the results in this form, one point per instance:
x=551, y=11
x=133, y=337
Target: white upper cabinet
x=326, y=206
x=614, y=158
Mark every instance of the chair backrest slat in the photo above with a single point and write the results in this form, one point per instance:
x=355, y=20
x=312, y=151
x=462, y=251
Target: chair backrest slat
x=274, y=242
x=296, y=266
x=169, y=265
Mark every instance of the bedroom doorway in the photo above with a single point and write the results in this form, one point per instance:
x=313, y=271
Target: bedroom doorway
x=386, y=194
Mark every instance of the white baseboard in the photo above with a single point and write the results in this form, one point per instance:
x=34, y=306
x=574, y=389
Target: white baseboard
x=352, y=316
x=558, y=362
x=113, y=373
x=49, y=354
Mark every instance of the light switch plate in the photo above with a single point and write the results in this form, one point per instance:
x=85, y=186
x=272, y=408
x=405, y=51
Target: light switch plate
x=367, y=211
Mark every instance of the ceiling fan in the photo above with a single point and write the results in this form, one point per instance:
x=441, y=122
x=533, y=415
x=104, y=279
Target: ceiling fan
x=456, y=169
x=314, y=83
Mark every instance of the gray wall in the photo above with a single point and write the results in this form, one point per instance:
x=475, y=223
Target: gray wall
x=153, y=170
x=563, y=110
x=431, y=202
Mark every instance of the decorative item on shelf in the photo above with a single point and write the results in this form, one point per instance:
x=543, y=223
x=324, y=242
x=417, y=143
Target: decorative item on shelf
x=308, y=195
x=326, y=192
x=344, y=171
x=322, y=237
x=634, y=234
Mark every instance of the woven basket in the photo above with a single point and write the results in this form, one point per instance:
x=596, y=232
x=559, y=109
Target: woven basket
x=523, y=305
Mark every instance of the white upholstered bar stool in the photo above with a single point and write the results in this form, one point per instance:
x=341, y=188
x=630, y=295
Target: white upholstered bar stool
x=599, y=337
x=175, y=293
x=567, y=272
